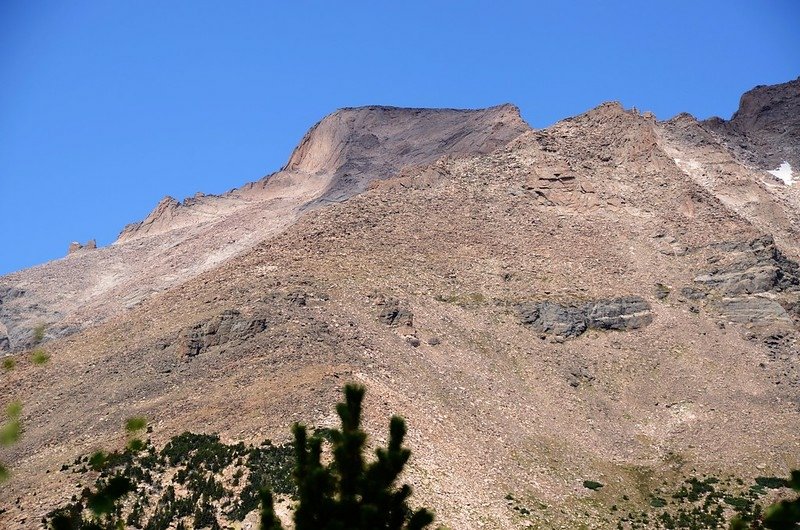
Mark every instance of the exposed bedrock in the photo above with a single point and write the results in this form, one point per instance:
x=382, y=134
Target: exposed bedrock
x=230, y=326
x=760, y=286
x=571, y=320
x=762, y=268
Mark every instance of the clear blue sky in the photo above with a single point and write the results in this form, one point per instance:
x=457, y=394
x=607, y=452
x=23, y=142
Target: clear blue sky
x=107, y=106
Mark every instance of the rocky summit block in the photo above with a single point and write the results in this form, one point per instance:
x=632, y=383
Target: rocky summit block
x=765, y=129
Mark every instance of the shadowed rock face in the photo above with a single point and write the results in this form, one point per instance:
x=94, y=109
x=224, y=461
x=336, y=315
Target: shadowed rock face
x=357, y=145
x=765, y=130
x=569, y=321
x=5, y=343
x=230, y=326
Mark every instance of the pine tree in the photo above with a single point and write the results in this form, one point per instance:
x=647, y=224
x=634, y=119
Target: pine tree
x=785, y=515
x=348, y=493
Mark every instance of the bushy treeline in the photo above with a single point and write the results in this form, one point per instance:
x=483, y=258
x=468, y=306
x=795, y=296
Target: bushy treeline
x=333, y=485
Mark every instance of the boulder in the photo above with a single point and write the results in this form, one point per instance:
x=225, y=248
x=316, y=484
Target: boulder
x=393, y=313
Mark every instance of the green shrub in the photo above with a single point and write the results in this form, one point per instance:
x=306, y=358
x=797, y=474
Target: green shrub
x=9, y=363
x=98, y=460
x=658, y=502
x=135, y=424
x=592, y=485
x=39, y=356
x=14, y=409
x=11, y=429
x=135, y=445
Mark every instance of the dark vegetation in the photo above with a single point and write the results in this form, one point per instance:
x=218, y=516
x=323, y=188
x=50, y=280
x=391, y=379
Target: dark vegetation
x=197, y=481
x=705, y=503
x=785, y=515
x=348, y=493
x=182, y=484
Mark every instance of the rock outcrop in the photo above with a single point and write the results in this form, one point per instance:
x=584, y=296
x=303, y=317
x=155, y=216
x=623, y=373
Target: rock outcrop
x=394, y=313
x=75, y=246
x=230, y=327
x=571, y=320
x=755, y=284
x=160, y=219
x=753, y=310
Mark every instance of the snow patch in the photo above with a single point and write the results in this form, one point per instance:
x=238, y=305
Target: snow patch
x=784, y=173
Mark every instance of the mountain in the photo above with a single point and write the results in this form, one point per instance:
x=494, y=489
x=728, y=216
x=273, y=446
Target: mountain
x=179, y=240
x=575, y=321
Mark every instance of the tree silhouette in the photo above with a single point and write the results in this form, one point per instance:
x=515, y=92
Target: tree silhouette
x=785, y=515
x=348, y=493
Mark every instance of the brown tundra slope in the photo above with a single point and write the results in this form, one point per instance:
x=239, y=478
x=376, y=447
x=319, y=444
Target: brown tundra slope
x=612, y=298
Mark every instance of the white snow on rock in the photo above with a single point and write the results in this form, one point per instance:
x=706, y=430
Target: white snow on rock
x=784, y=172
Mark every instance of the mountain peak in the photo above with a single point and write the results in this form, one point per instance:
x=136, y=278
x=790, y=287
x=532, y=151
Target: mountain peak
x=765, y=129
x=358, y=144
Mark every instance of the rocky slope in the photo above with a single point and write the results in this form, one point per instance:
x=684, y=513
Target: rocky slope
x=613, y=299
x=179, y=240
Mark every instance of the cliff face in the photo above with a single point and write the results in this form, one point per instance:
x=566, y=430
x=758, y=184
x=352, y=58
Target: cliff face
x=613, y=299
x=765, y=130
x=360, y=144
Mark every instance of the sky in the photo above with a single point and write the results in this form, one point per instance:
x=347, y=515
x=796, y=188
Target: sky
x=106, y=107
